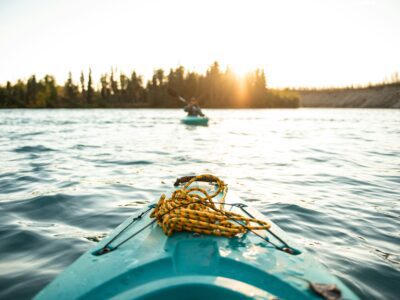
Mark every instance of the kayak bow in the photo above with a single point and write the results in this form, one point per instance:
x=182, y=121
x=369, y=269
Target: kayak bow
x=192, y=120
x=139, y=261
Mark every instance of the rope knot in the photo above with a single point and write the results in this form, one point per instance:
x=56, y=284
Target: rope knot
x=193, y=209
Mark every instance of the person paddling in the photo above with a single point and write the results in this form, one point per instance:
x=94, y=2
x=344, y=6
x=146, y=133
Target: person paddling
x=193, y=109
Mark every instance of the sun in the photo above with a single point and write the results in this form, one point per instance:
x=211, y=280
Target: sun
x=241, y=70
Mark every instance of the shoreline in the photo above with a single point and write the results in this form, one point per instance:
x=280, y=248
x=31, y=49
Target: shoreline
x=379, y=96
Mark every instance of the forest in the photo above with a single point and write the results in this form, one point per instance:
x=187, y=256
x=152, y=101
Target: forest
x=216, y=88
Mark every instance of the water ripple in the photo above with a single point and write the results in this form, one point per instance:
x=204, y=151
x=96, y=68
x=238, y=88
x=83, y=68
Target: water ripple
x=32, y=149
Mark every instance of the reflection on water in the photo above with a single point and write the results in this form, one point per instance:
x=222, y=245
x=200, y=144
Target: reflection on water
x=328, y=177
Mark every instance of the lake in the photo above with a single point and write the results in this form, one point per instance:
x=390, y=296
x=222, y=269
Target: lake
x=329, y=177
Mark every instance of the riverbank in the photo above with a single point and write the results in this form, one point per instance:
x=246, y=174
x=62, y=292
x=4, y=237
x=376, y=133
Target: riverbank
x=379, y=96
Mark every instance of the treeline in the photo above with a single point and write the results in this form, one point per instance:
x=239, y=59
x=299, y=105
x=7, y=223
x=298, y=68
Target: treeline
x=215, y=89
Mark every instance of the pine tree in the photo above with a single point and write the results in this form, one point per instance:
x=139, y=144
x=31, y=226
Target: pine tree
x=114, y=84
x=105, y=90
x=70, y=90
x=31, y=91
x=83, y=90
x=89, y=91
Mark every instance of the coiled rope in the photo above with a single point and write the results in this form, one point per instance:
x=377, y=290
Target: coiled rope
x=194, y=209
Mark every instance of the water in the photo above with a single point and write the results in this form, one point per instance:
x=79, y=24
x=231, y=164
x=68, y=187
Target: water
x=328, y=177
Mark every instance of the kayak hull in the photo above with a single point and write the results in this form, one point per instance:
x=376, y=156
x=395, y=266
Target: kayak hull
x=192, y=120
x=151, y=265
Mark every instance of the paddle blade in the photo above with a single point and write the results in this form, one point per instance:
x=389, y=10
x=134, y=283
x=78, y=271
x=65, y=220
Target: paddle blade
x=172, y=92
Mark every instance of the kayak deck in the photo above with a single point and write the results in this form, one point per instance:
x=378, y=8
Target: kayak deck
x=151, y=265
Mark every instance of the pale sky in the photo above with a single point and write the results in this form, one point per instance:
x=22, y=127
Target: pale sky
x=298, y=43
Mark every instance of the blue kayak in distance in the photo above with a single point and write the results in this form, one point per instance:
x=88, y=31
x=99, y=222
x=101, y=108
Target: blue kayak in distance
x=195, y=120
x=141, y=262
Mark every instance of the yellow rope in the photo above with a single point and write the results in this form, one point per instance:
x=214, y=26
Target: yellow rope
x=193, y=210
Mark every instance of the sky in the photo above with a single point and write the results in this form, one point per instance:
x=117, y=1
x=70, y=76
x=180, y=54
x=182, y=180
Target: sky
x=311, y=43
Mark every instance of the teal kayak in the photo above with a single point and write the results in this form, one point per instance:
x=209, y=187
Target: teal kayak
x=139, y=261
x=192, y=120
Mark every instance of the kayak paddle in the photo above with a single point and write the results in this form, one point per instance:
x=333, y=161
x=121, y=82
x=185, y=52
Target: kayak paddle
x=173, y=93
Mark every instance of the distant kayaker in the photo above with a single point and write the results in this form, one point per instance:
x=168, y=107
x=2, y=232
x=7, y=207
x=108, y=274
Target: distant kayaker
x=193, y=109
